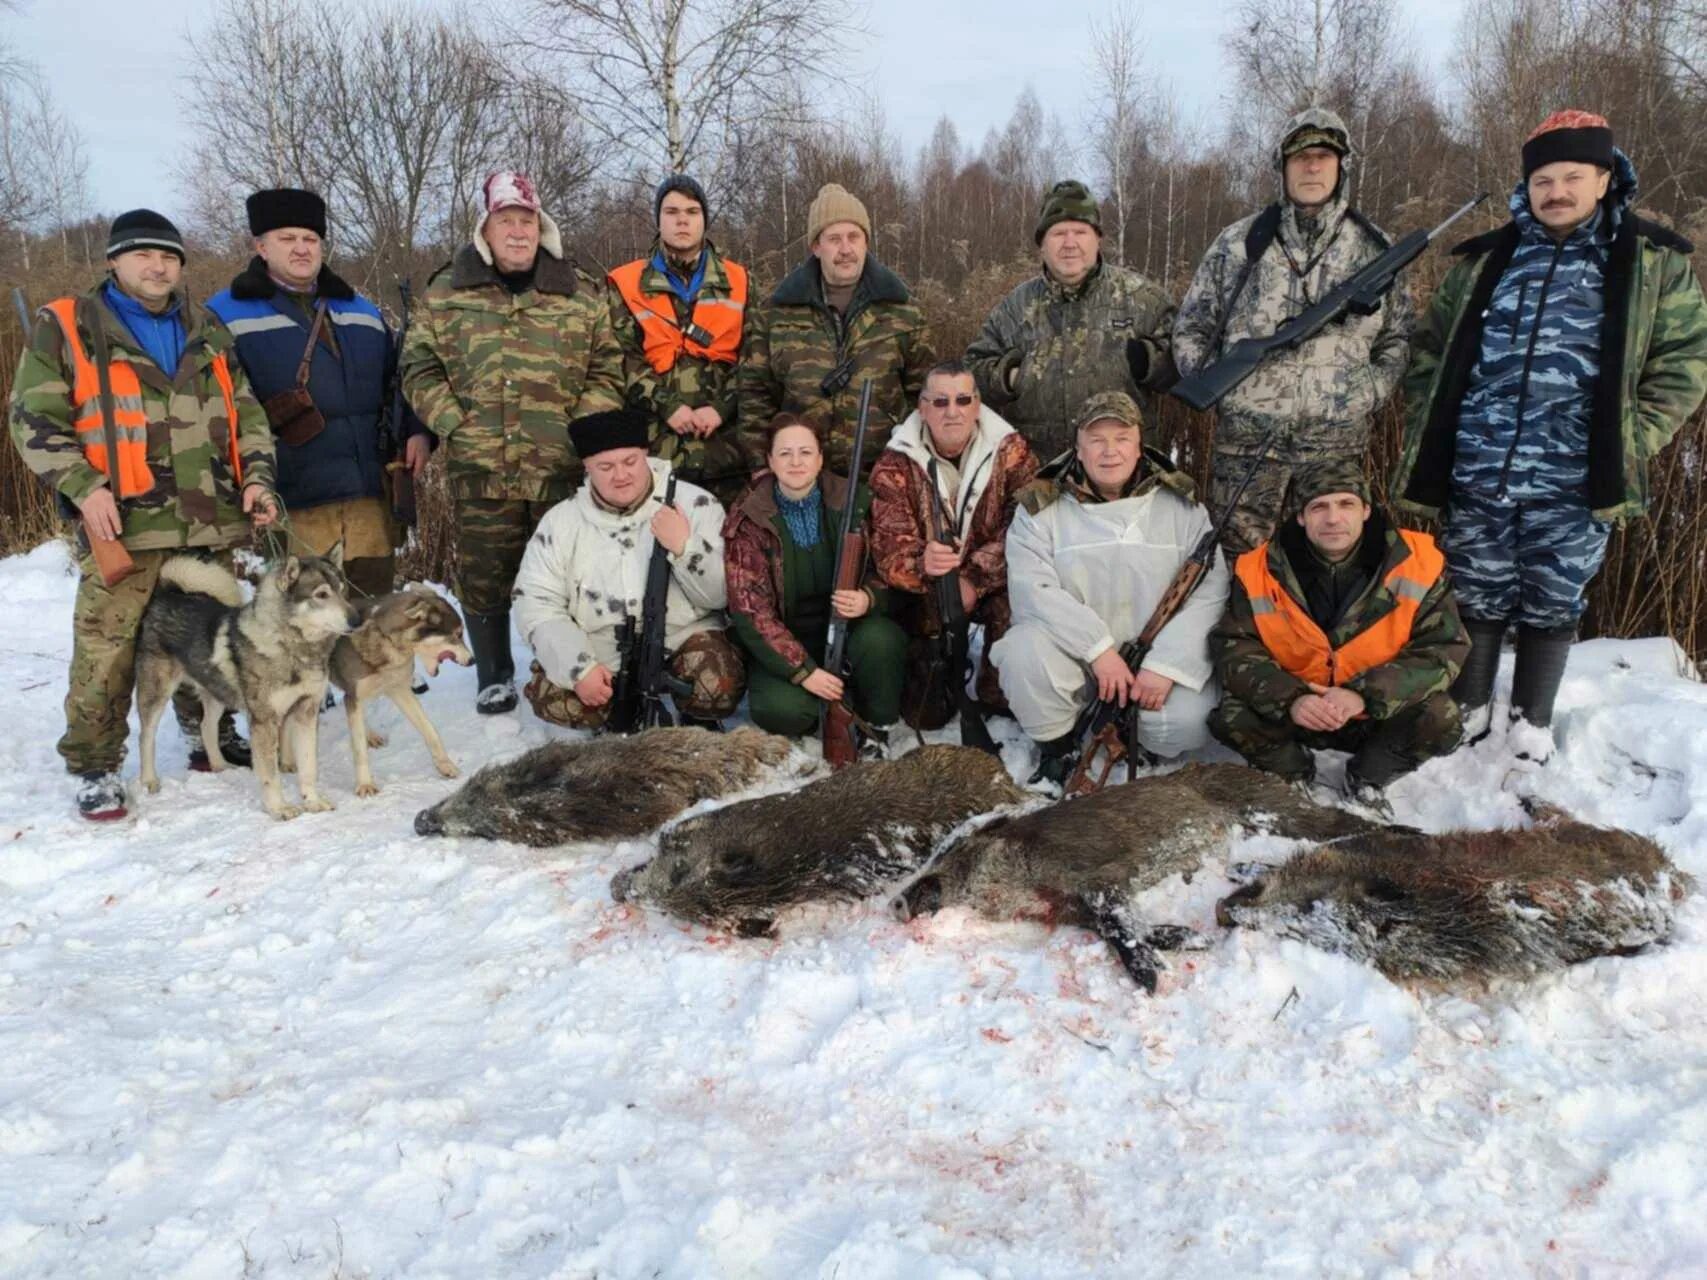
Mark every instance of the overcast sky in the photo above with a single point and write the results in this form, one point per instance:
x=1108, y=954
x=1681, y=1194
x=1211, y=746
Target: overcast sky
x=118, y=69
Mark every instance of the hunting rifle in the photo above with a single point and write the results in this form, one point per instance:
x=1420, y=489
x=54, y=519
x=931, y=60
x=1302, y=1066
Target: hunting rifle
x=643, y=675
x=392, y=442
x=837, y=724
x=1360, y=295
x=952, y=660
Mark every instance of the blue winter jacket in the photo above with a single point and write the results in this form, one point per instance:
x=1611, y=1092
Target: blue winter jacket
x=349, y=388
x=1523, y=426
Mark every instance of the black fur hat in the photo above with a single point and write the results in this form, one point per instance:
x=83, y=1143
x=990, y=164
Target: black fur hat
x=612, y=429
x=286, y=207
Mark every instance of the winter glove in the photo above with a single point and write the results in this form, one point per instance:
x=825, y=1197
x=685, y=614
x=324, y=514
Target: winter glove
x=1138, y=360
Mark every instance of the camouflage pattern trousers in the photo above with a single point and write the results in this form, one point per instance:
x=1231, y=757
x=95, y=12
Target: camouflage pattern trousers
x=492, y=534
x=1260, y=508
x=104, y=623
x=1522, y=561
x=1381, y=750
x=707, y=660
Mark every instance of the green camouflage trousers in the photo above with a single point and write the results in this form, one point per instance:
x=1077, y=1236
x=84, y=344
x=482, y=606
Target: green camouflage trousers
x=1381, y=749
x=707, y=660
x=104, y=623
x=1261, y=507
x=491, y=535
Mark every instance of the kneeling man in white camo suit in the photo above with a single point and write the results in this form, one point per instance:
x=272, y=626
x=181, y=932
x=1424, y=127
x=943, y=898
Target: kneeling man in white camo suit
x=1090, y=553
x=585, y=569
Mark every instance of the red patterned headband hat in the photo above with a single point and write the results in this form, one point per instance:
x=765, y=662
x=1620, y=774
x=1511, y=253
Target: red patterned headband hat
x=1579, y=136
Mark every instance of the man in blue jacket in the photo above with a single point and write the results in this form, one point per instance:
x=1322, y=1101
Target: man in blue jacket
x=331, y=465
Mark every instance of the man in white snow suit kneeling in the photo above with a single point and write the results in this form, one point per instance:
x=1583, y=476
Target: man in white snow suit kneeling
x=1090, y=553
x=584, y=571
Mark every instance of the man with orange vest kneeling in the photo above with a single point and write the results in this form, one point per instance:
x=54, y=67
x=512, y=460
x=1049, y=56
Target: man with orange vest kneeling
x=1341, y=633
x=130, y=403
x=678, y=314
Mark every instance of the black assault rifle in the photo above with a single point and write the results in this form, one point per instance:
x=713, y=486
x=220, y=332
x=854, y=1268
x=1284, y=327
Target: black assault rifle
x=836, y=721
x=1107, y=732
x=400, y=481
x=643, y=676
x=952, y=659
x=1361, y=295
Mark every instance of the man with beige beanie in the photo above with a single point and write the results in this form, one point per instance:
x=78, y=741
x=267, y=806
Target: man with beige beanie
x=837, y=319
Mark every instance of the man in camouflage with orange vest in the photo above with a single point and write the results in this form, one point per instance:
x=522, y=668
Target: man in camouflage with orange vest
x=193, y=470
x=1340, y=633
x=678, y=314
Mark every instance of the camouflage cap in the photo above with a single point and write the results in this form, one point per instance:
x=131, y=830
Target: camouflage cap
x=1109, y=404
x=1333, y=475
x=1313, y=127
x=1068, y=201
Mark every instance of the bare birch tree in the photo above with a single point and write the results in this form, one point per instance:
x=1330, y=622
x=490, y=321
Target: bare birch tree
x=672, y=84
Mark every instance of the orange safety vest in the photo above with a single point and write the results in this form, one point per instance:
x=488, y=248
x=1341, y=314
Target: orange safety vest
x=1301, y=647
x=130, y=421
x=718, y=318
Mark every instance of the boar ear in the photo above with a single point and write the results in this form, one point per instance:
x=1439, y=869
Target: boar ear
x=1381, y=889
x=756, y=927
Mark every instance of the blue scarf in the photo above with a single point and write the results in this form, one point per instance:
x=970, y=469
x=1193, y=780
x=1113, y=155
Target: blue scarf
x=687, y=290
x=805, y=519
x=161, y=336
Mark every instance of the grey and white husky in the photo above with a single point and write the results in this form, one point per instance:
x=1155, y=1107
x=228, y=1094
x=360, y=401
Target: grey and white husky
x=267, y=658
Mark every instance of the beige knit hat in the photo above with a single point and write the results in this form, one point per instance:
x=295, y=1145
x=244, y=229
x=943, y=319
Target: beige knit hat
x=834, y=204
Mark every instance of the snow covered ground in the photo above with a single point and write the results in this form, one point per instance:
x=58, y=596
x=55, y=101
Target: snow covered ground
x=235, y=1047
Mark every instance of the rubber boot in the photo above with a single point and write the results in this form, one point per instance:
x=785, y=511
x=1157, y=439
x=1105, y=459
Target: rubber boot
x=1474, y=688
x=494, y=666
x=1055, y=760
x=1541, y=657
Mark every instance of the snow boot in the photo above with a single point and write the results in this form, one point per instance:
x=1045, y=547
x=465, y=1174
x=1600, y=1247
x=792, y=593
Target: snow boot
x=232, y=745
x=1474, y=688
x=494, y=667
x=1541, y=656
x=1055, y=760
x=100, y=797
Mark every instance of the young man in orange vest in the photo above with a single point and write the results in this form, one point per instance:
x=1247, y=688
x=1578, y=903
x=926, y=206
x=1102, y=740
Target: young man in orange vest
x=1341, y=632
x=193, y=471
x=678, y=314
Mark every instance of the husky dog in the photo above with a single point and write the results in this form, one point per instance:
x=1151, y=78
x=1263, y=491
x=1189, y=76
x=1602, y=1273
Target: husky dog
x=378, y=657
x=266, y=658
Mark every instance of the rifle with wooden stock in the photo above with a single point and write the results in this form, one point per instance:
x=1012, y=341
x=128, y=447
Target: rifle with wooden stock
x=1108, y=732
x=400, y=481
x=952, y=661
x=837, y=724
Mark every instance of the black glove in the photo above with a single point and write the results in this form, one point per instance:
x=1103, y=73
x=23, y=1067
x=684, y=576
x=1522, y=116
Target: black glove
x=1138, y=360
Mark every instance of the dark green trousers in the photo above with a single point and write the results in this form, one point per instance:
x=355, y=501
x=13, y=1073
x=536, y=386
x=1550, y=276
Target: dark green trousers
x=877, y=661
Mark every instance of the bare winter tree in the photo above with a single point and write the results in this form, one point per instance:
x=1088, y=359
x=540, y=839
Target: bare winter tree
x=1117, y=67
x=672, y=84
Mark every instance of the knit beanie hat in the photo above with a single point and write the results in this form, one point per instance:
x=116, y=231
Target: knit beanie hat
x=1315, y=479
x=611, y=429
x=831, y=205
x=1068, y=201
x=1106, y=405
x=686, y=186
x=143, y=229
x=1579, y=136
x=286, y=207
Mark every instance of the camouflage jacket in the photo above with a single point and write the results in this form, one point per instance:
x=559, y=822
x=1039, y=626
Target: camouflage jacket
x=195, y=501
x=759, y=591
x=497, y=377
x=1428, y=664
x=996, y=465
x=1321, y=395
x=1062, y=346
x=794, y=341
x=1652, y=368
x=692, y=381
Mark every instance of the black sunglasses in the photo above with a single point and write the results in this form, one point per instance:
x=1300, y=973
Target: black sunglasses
x=942, y=402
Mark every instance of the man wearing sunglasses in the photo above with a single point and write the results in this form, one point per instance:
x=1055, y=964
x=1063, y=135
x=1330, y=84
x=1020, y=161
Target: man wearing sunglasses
x=976, y=463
